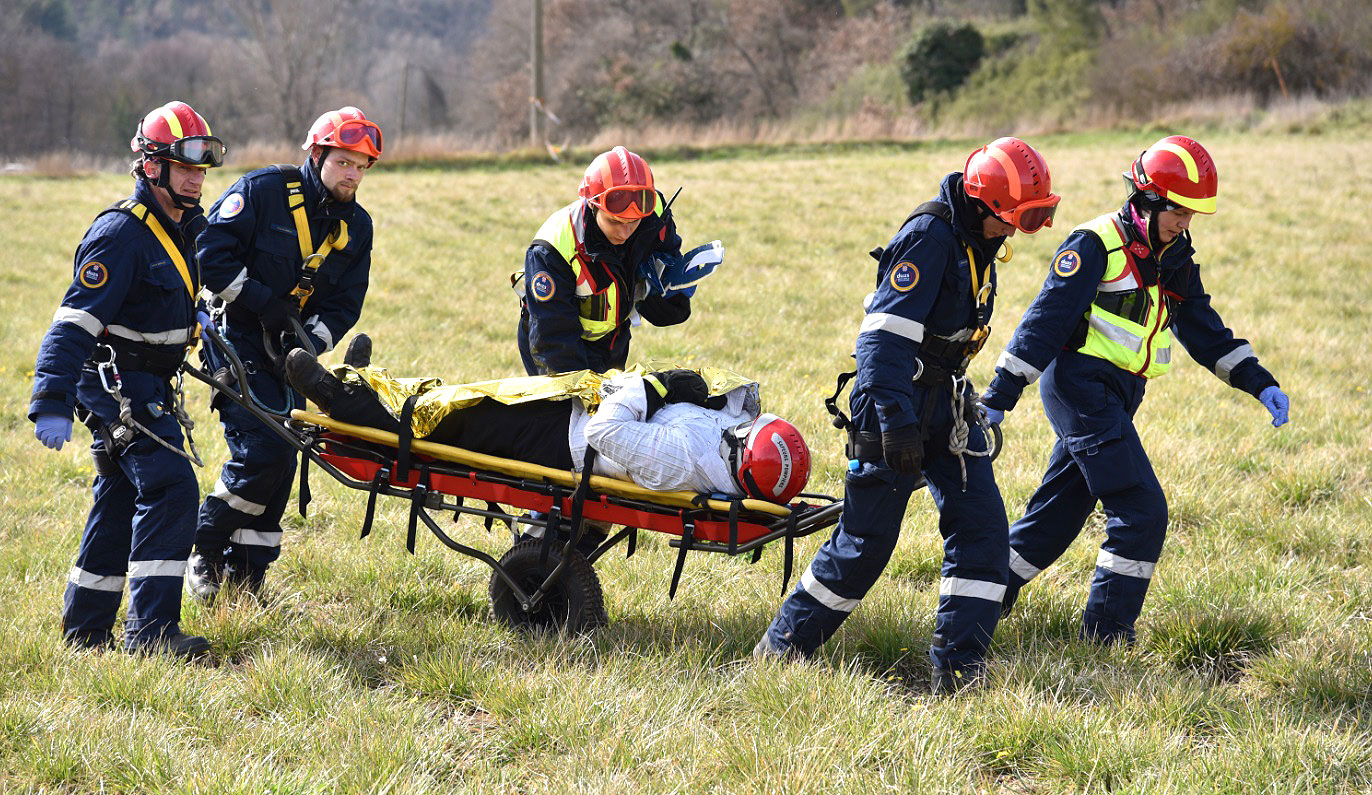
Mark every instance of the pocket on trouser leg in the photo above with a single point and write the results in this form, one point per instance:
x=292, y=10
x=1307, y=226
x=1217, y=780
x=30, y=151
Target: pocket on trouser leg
x=1112, y=461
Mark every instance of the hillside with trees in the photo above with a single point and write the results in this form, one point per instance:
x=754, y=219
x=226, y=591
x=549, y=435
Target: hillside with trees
x=77, y=73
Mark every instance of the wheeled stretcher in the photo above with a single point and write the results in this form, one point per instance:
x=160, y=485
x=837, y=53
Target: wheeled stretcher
x=547, y=581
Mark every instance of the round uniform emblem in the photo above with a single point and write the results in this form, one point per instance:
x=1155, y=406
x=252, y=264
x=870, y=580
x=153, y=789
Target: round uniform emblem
x=1067, y=263
x=233, y=205
x=93, y=275
x=904, y=277
x=543, y=286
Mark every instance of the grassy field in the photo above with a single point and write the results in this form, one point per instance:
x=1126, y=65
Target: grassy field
x=363, y=669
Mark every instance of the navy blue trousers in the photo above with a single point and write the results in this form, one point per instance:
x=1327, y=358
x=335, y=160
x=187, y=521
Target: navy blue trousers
x=973, y=526
x=240, y=520
x=1098, y=458
x=139, y=529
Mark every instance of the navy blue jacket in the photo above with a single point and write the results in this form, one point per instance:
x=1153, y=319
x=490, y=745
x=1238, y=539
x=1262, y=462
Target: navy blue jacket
x=124, y=285
x=923, y=288
x=550, y=330
x=249, y=254
x=1053, y=318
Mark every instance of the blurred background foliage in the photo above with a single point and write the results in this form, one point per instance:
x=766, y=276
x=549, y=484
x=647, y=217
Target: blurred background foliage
x=76, y=74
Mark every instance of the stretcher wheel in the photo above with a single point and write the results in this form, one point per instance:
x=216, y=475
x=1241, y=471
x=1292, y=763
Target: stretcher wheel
x=575, y=601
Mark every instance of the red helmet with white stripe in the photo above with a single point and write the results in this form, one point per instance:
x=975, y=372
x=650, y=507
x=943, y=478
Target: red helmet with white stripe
x=620, y=183
x=1011, y=178
x=1178, y=170
x=345, y=128
x=768, y=458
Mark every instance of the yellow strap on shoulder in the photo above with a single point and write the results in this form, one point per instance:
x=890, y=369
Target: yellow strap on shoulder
x=310, y=259
x=150, y=221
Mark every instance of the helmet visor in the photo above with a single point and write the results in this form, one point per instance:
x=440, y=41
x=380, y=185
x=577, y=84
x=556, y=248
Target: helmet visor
x=1031, y=216
x=359, y=135
x=629, y=201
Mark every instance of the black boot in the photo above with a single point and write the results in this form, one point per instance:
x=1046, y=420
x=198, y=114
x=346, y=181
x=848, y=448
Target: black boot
x=359, y=352
x=176, y=644
x=204, y=577
x=310, y=379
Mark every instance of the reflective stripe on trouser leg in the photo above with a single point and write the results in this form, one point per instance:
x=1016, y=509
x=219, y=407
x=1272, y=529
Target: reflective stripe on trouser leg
x=848, y=564
x=95, y=584
x=975, y=557
x=163, y=527
x=254, y=487
x=1054, y=517
x=1136, y=525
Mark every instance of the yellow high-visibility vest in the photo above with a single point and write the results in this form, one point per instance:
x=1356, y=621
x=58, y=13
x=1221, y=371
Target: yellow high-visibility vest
x=1139, y=343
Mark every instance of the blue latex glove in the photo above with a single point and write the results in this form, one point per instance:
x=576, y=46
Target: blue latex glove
x=1277, y=403
x=53, y=430
x=993, y=416
x=682, y=276
x=205, y=322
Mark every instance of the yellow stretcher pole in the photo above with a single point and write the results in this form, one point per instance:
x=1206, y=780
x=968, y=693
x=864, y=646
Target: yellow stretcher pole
x=601, y=484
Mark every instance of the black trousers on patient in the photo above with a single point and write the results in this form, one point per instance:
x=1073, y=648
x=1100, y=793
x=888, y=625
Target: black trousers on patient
x=534, y=432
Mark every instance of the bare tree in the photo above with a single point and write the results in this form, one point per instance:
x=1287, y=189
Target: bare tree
x=297, y=46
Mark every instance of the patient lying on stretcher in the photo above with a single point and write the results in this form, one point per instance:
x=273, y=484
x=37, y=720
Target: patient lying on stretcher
x=667, y=430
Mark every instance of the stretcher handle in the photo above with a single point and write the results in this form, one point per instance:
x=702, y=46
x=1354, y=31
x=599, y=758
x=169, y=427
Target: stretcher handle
x=614, y=486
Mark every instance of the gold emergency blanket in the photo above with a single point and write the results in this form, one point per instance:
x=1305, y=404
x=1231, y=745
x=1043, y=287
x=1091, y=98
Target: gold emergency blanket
x=436, y=399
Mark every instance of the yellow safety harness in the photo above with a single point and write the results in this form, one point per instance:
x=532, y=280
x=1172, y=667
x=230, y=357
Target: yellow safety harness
x=311, y=257
x=139, y=211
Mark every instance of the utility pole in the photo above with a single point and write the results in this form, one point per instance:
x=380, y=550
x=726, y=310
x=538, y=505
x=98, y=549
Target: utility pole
x=536, y=134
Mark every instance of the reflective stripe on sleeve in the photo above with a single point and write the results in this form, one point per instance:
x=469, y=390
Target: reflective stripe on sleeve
x=1141, y=569
x=256, y=538
x=1225, y=366
x=976, y=589
x=236, y=502
x=80, y=318
x=235, y=287
x=316, y=327
x=1016, y=366
x=156, y=568
x=895, y=324
x=81, y=578
x=1022, y=567
x=825, y=596
x=177, y=336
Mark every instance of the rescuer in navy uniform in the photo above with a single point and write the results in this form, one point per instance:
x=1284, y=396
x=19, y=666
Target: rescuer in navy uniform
x=115, y=345
x=915, y=416
x=590, y=269
x=1100, y=328
x=288, y=251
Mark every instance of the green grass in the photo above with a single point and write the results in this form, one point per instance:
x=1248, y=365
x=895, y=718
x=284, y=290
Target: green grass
x=365, y=669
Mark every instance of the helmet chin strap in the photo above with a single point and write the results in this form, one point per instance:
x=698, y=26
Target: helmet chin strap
x=163, y=181
x=1146, y=226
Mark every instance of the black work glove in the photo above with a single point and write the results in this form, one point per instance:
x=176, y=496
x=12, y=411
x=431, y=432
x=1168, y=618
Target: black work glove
x=277, y=314
x=903, y=449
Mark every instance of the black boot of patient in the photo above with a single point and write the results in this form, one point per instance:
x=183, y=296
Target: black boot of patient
x=351, y=404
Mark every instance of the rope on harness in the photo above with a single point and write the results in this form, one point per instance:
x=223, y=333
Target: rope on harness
x=958, y=436
x=112, y=383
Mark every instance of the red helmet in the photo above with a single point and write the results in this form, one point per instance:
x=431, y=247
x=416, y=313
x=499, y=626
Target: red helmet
x=176, y=132
x=1011, y=179
x=1178, y=170
x=620, y=183
x=345, y=128
x=768, y=458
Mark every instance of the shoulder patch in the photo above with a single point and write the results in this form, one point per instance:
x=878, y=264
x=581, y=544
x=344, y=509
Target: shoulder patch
x=904, y=277
x=233, y=205
x=542, y=286
x=93, y=275
x=1067, y=263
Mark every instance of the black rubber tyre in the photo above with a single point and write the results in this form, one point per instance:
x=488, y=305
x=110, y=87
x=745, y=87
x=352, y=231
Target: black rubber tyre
x=575, y=603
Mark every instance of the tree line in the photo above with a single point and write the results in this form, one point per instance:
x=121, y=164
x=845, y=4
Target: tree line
x=77, y=74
